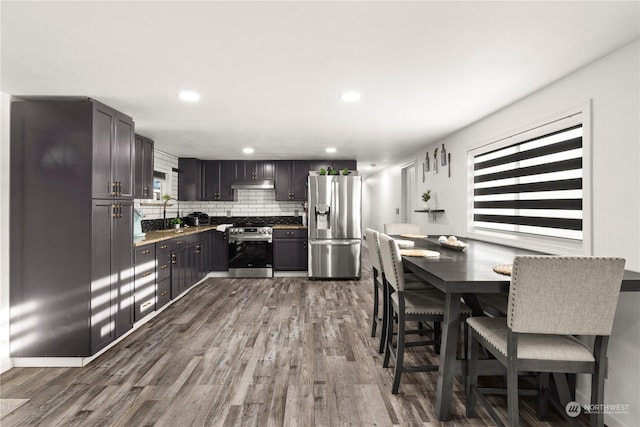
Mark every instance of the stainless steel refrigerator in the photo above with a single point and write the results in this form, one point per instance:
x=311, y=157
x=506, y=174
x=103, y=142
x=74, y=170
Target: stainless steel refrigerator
x=335, y=233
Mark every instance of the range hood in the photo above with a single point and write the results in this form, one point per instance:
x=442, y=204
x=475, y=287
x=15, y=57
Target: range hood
x=253, y=184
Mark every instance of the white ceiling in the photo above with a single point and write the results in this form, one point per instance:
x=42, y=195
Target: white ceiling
x=270, y=73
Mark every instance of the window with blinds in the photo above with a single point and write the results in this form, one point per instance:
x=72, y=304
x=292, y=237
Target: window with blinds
x=532, y=184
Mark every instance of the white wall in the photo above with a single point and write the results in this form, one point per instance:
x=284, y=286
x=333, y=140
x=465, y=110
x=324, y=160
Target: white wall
x=613, y=85
x=5, y=361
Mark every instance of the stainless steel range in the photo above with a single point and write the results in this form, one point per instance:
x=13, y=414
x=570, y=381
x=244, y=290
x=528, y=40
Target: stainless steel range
x=250, y=251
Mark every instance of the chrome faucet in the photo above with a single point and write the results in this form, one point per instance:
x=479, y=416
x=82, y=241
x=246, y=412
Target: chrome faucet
x=164, y=211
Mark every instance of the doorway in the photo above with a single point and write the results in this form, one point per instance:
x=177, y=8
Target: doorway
x=408, y=176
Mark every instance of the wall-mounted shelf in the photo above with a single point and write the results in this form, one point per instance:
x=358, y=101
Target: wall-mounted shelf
x=431, y=211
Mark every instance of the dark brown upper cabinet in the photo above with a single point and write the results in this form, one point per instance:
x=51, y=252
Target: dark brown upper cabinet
x=190, y=179
x=255, y=169
x=113, y=152
x=291, y=180
x=217, y=178
x=143, y=176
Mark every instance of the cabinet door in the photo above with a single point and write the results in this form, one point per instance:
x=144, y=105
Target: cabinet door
x=122, y=265
x=283, y=180
x=227, y=176
x=265, y=169
x=102, y=289
x=220, y=256
x=148, y=163
x=290, y=254
x=197, y=268
x=103, y=124
x=189, y=179
x=143, y=170
x=122, y=165
x=181, y=265
x=211, y=179
x=299, y=174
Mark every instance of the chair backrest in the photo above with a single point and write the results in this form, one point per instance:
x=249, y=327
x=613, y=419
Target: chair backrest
x=401, y=229
x=391, y=262
x=564, y=295
x=374, y=250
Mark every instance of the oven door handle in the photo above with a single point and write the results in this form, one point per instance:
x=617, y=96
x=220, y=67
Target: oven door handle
x=234, y=239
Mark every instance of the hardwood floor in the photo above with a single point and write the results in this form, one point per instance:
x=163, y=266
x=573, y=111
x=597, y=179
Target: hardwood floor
x=267, y=352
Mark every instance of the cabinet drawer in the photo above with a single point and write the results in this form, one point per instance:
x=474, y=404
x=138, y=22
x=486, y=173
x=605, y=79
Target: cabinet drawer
x=293, y=233
x=163, y=247
x=176, y=244
x=145, y=254
x=181, y=242
x=163, y=267
x=164, y=293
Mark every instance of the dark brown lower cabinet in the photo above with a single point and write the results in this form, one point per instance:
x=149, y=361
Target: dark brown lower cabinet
x=220, y=256
x=144, y=297
x=111, y=304
x=188, y=262
x=290, y=251
x=163, y=274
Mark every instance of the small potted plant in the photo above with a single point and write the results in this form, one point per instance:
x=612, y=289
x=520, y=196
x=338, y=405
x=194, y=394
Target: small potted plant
x=177, y=222
x=322, y=171
x=426, y=196
x=345, y=171
x=333, y=171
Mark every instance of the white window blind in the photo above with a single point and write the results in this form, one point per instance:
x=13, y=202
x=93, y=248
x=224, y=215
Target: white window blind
x=532, y=183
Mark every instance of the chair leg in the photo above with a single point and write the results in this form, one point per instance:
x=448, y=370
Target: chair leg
x=472, y=376
x=385, y=317
x=397, y=372
x=437, y=332
x=375, y=319
x=597, y=380
x=388, y=341
x=512, y=380
x=543, y=395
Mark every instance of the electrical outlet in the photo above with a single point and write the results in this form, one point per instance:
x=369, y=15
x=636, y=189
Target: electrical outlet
x=397, y=211
x=295, y=212
x=228, y=213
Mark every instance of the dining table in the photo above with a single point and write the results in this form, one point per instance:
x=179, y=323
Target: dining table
x=461, y=275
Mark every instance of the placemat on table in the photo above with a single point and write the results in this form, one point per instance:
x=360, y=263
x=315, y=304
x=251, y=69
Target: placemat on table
x=405, y=243
x=414, y=236
x=503, y=269
x=424, y=253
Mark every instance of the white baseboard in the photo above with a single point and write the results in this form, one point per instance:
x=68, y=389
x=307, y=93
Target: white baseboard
x=290, y=274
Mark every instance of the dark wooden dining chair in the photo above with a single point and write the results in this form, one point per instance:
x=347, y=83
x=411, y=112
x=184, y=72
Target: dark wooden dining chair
x=551, y=300
x=412, y=283
x=407, y=306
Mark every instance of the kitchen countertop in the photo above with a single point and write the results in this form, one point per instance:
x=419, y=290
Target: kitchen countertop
x=160, y=235
x=289, y=226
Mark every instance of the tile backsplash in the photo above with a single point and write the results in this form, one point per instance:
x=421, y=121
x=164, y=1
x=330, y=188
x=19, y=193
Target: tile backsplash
x=247, y=203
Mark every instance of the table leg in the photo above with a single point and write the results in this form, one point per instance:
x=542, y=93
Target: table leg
x=448, y=350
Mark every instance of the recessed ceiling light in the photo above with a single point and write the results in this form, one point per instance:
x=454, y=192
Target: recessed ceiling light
x=247, y=150
x=189, y=96
x=330, y=150
x=350, y=97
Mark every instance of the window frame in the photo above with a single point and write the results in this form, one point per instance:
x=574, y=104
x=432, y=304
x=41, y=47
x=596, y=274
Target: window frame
x=553, y=245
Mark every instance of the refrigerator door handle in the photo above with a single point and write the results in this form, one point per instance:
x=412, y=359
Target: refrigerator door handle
x=334, y=242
